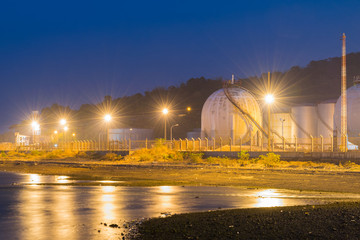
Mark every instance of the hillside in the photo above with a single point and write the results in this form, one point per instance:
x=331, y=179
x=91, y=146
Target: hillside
x=316, y=82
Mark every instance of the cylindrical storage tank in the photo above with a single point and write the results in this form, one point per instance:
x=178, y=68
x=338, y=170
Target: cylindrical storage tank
x=305, y=122
x=325, y=112
x=353, y=110
x=220, y=118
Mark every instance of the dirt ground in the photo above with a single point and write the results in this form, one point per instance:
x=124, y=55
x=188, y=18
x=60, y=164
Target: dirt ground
x=191, y=174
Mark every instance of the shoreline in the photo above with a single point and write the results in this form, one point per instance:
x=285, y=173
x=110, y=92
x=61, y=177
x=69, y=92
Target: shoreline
x=339, y=220
x=330, y=221
x=179, y=174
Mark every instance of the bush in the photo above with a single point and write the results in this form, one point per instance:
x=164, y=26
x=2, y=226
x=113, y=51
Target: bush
x=82, y=155
x=243, y=155
x=35, y=153
x=16, y=154
x=270, y=160
x=350, y=164
x=112, y=157
x=193, y=157
x=159, y=153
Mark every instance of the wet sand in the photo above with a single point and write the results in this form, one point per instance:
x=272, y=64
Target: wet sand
x=191, y=174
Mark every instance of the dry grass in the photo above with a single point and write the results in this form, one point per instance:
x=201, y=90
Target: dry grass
x=161, y=154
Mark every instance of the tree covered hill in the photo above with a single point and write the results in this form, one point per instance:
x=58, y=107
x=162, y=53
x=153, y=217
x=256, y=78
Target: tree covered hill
x=316, y=82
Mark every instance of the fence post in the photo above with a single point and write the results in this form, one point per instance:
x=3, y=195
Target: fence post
x=250, y=142
x=199, y=144
x=186, y=144
x=346, y=143
x=230, y=143
x=312, y=143
x=220, y=144
x=213, y=143
x=207, y=143
x=193, y=145
x=283, y=138
x=332, y=143
x=322, y=143
x=180, y=144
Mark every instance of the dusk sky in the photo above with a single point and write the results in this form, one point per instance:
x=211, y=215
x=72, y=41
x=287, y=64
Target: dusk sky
x=75, y=52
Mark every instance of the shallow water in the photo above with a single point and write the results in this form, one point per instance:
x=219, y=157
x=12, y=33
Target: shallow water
x=30, y=209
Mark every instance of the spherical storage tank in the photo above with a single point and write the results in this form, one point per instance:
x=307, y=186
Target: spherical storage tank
x=220, y=118
x=353, y=114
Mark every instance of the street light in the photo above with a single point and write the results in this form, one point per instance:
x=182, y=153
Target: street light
x=269, y=99
x=165, y=111
x=35, y=127
x=175, y=125
x=63, y=122
x=107, y=119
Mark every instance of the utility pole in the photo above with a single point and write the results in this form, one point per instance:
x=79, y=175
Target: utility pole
x=269, y=131
x=343, y=97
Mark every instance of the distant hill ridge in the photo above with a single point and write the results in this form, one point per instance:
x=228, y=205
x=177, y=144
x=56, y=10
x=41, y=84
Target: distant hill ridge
x=318, y=81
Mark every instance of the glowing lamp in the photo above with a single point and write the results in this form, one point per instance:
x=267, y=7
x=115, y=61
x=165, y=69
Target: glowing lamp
x=107, y=118
x=165, y=111
x=269, y=98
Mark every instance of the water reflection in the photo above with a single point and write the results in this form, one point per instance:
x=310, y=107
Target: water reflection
x=34, y=178
x=268, y=198
x=107, y=200
x=62, y=179
x=38, y=211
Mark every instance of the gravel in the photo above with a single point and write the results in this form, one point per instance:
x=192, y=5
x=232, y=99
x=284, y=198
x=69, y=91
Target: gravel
x=340, y=220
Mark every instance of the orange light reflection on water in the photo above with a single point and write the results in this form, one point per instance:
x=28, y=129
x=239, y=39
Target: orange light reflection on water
x=268, y=198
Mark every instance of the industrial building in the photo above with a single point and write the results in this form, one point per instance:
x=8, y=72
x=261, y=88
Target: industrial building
x=222, y=119
x=234, y=113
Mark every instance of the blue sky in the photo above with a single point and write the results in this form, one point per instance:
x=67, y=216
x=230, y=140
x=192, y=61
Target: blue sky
x=74, y=52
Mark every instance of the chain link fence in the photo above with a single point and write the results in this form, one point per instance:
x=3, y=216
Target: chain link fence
x=313, y=144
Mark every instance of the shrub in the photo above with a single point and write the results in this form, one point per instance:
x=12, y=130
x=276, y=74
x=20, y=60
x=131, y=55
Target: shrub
x=193, y=157
x=243, y=155
x=270, y=160
x=82, y=155
x=350, y=164
x=159, y=152
x=16, y=154
x=112, y=157
x=35, y=153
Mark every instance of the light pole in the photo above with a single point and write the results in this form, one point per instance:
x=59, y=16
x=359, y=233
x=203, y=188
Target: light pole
x=282, y=126
x=175, y=125
x=269, y=99
x=35, y=127
x=65, y=130
x=165, y=112
x=107, y=119
x=63, y=123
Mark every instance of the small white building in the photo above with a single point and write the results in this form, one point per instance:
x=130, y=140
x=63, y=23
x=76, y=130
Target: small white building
x=21, y=140
x=134, y=134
